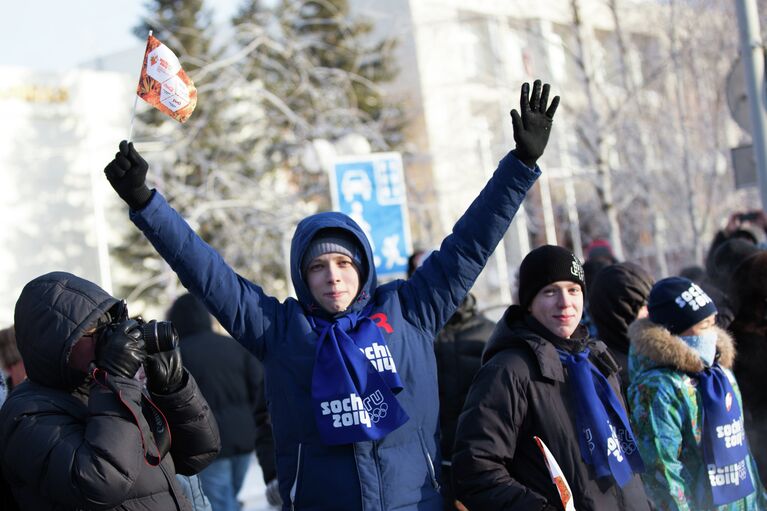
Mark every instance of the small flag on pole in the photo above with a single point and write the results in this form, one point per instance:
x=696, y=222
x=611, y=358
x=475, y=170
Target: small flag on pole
x=557, y=477
x=163, y=84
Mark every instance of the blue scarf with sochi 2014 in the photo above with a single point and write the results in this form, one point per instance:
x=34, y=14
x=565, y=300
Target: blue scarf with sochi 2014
x=723, y=439
x=354, y=381
x=606, y=440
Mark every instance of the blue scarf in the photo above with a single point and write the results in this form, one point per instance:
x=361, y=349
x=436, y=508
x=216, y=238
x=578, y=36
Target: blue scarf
x=724, y=441
x=354, y=381
x=606, y=440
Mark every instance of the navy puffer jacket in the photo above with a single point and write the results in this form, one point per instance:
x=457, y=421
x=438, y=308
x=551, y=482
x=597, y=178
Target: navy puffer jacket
x=400, y=471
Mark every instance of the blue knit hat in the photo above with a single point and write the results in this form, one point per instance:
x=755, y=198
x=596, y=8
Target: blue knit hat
x=678, y=303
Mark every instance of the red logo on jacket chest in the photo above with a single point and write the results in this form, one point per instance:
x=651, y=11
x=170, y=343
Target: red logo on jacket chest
x=382, y=321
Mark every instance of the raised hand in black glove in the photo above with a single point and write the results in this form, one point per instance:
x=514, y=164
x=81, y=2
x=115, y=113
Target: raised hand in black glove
x=533, y=126
x=120, y=351
x=164, y=372
x=127, y=175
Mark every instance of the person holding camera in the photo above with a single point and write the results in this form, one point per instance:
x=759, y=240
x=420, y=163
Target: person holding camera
x=350, y=372
x=83, y=432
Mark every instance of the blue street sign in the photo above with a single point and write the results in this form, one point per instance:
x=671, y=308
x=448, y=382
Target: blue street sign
x=370, y=189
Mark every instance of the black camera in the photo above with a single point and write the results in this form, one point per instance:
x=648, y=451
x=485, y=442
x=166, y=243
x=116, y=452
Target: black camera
x=158, y=336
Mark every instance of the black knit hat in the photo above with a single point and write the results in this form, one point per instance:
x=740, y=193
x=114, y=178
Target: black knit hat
x=337, y=241
x=678, y=303
x=544, y=265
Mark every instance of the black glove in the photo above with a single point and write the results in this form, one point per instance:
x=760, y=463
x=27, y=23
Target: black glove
x=127, y=175
x=164, y=372
x=532, y=128
x=120, y=351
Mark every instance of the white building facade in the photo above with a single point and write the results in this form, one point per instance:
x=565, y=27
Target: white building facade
x=59, y=131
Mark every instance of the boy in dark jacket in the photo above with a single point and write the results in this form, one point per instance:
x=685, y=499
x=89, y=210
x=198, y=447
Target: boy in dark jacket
x=542, y=377
x=80, y=433
x=350, y=372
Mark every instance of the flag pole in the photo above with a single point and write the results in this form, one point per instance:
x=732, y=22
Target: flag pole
x=132, y=117
x=135, y=100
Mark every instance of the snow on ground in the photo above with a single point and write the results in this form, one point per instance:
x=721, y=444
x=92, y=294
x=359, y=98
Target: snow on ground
x=252, y=493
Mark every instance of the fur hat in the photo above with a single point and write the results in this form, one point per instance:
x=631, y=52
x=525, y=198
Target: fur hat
x=678, y=303
x=544, y=265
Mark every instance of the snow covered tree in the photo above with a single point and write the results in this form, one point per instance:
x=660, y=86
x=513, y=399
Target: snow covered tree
x=236, y=169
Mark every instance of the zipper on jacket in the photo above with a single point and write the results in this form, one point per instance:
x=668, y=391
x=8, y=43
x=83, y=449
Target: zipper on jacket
x=359, y=477
x=432, y=472
x=171, y=489
x=295, y=481
x=429, y=461
x=377, y=460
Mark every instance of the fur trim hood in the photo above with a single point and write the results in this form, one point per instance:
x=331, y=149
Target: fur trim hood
x=654, y=346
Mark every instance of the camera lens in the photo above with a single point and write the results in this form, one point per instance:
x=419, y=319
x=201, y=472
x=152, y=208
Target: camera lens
x=159, y=336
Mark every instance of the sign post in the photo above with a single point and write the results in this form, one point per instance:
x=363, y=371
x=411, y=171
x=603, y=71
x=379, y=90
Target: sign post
x=753, y=56
x=370, y=189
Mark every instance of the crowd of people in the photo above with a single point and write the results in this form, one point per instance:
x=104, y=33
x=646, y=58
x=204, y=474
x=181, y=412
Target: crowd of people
x=600, y=389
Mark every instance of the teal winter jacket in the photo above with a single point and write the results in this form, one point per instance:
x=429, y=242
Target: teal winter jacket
x=666, y=415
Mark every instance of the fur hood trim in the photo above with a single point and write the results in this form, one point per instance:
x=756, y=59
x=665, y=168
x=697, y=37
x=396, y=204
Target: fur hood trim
x=659, y=345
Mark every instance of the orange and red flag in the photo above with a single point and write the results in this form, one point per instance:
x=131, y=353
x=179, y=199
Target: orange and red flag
x=164, y=84
x=557, y=477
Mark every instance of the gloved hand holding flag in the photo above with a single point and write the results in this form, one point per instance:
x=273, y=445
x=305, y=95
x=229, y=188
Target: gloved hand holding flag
x=164, y=84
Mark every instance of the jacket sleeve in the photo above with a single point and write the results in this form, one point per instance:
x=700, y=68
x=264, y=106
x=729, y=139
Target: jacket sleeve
x=436, y=289
x=485, y=443
x=657, y=415
x=89, y=462
x=242, y=308
x=195, y=441
x=264, y=438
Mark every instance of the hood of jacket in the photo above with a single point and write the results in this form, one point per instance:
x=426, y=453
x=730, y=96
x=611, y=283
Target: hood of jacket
x=189, y=316
x=653, y=346
x=52, y=312
x=615, y=297
x=305, y=231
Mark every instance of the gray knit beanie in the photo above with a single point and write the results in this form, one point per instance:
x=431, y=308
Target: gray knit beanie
x=336, y=241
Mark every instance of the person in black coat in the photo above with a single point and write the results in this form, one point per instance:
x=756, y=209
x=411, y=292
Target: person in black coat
x=542, y=377
x=232, y=382
x=458, y=349
x=83, y=432
x=749, y=291
x=617, y=297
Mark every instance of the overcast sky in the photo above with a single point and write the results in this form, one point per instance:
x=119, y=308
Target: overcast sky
x=56, y=35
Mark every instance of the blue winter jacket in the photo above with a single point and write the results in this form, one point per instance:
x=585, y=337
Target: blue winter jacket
x=399, y=472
